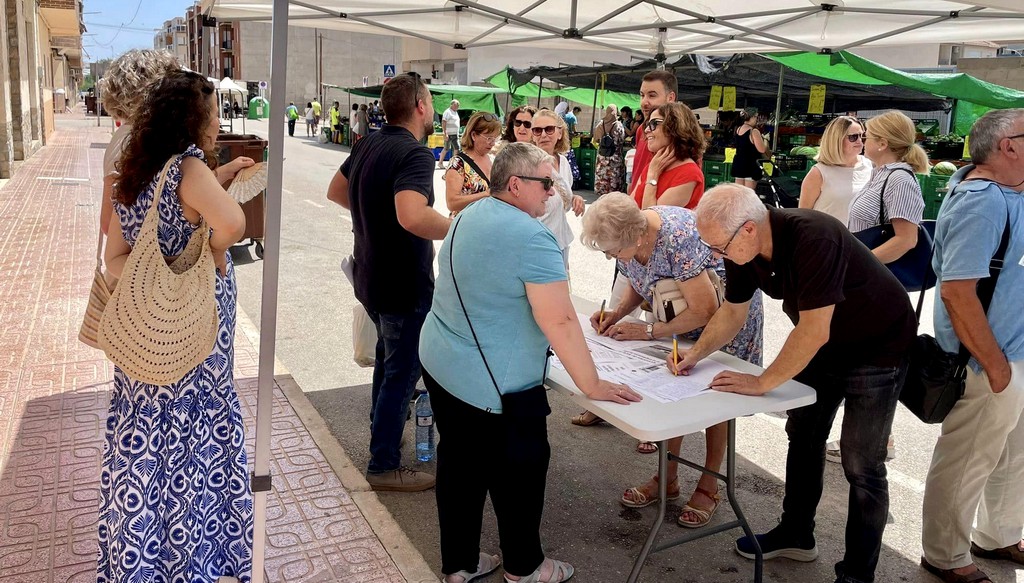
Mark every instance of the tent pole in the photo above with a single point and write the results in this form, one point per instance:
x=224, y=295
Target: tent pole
x=778, y=110
x=951, y=125
x=593, y=109
x=540, y=87
x=351, y=119
x=271, y=268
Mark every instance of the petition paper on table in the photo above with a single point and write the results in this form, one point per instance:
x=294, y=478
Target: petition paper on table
x=641, y=366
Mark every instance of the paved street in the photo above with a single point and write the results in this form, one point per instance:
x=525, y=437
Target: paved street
x=590, y=467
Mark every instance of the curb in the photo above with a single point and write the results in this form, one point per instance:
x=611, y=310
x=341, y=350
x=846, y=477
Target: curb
x=410, y=562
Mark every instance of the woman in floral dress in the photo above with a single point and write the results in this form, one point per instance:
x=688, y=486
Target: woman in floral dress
x=610, y=167
x=661, y=242
x=175, y=499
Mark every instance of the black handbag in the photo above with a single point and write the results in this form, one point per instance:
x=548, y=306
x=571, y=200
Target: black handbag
x=913, y=269
x=529, y=404
x=935, y=378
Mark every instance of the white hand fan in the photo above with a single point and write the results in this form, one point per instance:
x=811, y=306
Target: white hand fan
x=249, y=182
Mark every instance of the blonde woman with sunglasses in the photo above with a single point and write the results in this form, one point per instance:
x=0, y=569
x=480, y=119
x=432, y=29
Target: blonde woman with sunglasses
x=467, y=178
x=841, y=170
x=550, y=134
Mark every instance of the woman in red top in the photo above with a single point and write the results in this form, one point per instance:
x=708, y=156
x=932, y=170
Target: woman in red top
x=674, y=176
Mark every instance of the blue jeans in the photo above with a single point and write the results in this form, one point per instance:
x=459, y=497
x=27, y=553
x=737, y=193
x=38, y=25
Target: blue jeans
x=395, y=374
x=871, y=394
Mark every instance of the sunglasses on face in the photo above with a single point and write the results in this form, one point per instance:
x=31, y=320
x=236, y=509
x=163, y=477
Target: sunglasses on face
x=545, y=182
x=854, y=138
x=523, y=123
x=549, y=130
x=653, y=124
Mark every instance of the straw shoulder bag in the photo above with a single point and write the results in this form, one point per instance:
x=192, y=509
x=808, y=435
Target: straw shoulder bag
x=161, y=320
x=99, y=294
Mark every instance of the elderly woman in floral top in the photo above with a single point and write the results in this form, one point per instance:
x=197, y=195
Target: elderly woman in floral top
x=467, y=177
x=661, y=242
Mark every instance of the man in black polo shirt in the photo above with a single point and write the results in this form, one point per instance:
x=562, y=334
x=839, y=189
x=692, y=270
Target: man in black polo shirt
x=854, y=326
x=387, y=183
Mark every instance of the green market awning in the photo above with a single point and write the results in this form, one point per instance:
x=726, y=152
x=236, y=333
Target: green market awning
x=850, y=68
x=581, y=95
x=472, y=97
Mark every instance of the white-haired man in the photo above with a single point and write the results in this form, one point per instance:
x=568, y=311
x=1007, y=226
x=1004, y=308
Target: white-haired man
x=978, y=463
x=854, y=325
x=451, y=122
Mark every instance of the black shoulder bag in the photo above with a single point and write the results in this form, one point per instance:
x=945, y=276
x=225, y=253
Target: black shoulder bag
x=913, y=269
x=936, y=379
x=531, y=403
x=475, y=168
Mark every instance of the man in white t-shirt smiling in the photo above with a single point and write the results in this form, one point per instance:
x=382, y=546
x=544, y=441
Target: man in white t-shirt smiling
x=450, y=121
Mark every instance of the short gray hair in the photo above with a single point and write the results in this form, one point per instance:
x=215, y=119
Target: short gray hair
x=131, y=77
x=730, y=205
x=613, y=221
x=989, y=130
x=520, y=158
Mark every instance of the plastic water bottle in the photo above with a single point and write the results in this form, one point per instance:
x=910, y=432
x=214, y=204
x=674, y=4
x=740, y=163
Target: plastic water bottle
x=424, y=428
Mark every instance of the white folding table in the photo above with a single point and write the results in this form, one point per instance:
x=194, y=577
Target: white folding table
x=650, y=420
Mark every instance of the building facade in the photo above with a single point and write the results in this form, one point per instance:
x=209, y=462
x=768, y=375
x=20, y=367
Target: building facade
x=40, y=71
x=173, y=38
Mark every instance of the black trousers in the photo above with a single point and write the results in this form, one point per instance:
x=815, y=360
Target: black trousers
x=291, y=127
x=482, y=453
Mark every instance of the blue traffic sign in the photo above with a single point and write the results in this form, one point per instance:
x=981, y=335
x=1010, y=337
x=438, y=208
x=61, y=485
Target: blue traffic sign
x=389, y=70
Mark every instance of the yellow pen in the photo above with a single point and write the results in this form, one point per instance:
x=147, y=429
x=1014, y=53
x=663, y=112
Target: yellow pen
x=675, y=354
x=600, y=319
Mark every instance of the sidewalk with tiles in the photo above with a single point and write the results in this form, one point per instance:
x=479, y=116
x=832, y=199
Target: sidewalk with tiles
x=54, y=393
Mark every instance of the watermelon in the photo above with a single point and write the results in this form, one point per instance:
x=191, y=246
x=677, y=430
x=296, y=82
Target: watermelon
x=944, y=169
x=795, y=150
x=809, y=151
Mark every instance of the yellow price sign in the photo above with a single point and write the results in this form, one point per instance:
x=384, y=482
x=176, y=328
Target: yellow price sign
x=716, y=97
x=816, y=104
x=729, y=99
x=967, y=148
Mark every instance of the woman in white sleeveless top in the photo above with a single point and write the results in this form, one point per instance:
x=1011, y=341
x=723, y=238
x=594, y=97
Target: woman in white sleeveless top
x=841, y=170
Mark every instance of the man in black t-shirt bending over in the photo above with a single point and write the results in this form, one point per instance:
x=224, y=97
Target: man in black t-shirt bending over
x=854, y=326
x=388, y=184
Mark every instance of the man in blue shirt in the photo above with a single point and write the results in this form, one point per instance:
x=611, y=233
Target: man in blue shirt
x=388, y=184
x=978, y=463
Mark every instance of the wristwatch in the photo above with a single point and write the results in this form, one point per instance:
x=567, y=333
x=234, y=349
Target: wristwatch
x=650, y=331
x=653, y=182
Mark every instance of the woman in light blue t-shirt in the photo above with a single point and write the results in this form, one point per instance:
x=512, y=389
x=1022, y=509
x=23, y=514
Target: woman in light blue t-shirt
x=501, y=299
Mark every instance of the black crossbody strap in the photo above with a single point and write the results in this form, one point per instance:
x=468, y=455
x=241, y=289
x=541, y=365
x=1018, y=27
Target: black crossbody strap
x=451, y=266
x=882, y=219
x=475, y=168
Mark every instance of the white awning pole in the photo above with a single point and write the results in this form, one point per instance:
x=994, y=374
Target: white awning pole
x=271, y=264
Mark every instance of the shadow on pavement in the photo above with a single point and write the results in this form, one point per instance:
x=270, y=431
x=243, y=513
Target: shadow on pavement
x=585, y=525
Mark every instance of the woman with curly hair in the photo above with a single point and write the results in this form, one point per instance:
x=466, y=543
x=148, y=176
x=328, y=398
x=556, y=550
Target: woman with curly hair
x=125, y=86
x=175, y=499
x=674, y=176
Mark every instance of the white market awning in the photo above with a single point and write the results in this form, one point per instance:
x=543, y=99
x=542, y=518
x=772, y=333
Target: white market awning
x=651, y=27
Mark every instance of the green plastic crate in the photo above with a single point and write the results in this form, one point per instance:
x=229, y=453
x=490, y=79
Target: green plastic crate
x=933, y=188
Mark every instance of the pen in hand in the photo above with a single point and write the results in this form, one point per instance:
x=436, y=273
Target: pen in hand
x=675, y=355
x=600, y=319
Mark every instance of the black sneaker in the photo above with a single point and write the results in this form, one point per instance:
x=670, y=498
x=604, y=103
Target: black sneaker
x=778, y=544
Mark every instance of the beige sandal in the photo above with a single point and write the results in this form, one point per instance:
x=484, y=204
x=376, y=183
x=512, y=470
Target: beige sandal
x=704, y=516
x=561, y=571
x=486, y=565
x=638, y=497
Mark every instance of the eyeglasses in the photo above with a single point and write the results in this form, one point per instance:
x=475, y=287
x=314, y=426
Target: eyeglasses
x=487, y=138
x=653, y=124
x=1015, y=137
x=416, y=95
x=549, y=130
x=545, y=182
x=523, y=123
x=725, y=250
x=489, y=117
x=612, y=254
x=854, y=138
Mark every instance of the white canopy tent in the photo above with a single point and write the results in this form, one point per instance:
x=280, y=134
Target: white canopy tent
x=660, y=29
x=229, y=87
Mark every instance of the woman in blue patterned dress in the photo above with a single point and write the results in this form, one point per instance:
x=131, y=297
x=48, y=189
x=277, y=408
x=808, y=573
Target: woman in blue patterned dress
x=175, y=500
x=661, y=242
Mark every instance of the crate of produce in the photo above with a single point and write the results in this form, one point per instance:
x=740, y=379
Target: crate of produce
x=716, y=168
x=934, y=188
x=788, y=163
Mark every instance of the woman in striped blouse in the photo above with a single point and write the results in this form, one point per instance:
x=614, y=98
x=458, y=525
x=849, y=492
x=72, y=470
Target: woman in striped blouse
x=889, y=144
